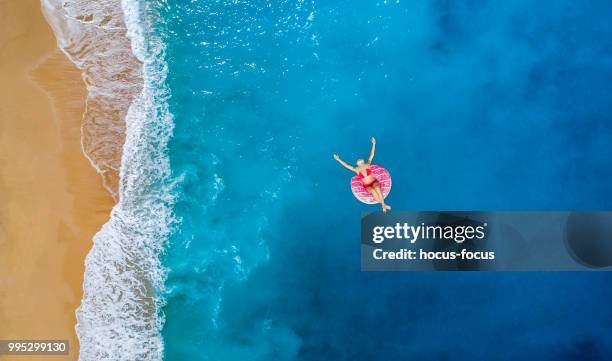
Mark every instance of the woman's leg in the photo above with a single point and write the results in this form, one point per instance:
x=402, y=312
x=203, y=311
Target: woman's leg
x=378, y=197
x=381, y=196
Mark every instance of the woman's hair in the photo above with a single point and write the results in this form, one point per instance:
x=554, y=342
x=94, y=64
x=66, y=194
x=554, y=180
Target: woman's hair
x=360, y=160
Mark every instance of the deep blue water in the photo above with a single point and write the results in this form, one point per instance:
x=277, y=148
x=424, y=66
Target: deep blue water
x=476, y=105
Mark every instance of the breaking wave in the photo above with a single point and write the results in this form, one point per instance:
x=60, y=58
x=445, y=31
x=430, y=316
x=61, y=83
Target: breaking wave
x=93, y=36
x=125, y=133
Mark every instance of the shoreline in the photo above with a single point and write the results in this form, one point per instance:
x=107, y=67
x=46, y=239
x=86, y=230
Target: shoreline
x=53, y=200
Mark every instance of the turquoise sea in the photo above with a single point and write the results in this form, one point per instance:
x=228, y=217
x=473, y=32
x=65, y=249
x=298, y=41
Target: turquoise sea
x=476, y=105
x=248, y=230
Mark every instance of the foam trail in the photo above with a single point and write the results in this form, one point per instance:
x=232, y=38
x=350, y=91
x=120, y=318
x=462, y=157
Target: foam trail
x=93, y=36
x=119, y=317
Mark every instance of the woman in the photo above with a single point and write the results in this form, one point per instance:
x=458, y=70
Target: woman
x=364, y=173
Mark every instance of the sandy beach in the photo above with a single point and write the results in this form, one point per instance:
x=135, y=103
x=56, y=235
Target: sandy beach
x=52, y=201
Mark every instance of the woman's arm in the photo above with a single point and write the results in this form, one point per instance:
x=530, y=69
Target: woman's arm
x=372, y=151
x=345, y=164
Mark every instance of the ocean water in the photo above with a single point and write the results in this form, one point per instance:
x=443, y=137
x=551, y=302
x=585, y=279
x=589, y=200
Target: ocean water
x=476, y=105
x=236, y=235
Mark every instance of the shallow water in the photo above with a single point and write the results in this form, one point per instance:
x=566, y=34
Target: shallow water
x=475, y=105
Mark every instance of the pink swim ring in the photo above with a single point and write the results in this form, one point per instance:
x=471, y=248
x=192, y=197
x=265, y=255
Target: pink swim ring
x=382, y=176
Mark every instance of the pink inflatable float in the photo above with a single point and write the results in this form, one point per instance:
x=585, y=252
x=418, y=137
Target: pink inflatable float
x=383, y=177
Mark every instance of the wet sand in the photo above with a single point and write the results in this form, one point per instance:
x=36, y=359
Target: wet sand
x=52, y=201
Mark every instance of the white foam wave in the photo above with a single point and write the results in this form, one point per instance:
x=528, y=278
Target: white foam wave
x=92, y=33
x=119, y=317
